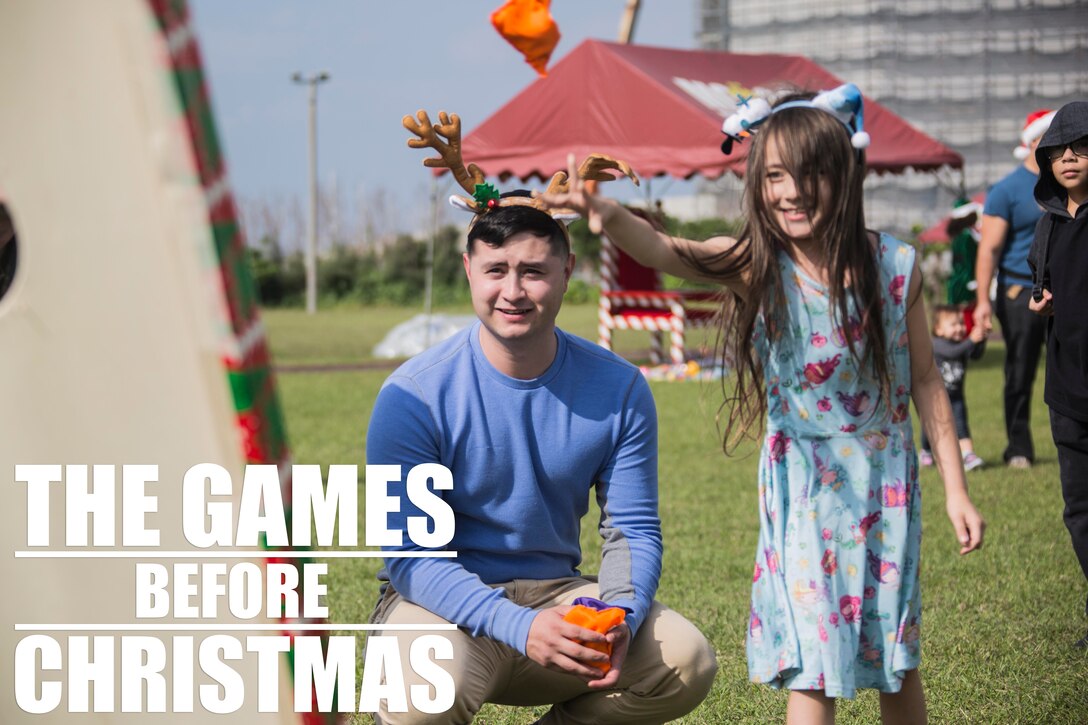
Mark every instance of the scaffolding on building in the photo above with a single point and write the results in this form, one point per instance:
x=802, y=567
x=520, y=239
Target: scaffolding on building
x=966, y=72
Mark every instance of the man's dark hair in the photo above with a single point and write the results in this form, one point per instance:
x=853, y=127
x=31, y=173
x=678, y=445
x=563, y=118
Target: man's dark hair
x=494, y=227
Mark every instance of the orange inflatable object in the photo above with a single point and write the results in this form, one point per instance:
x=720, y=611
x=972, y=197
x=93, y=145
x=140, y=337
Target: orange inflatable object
x=599, y=621
x=528, y=26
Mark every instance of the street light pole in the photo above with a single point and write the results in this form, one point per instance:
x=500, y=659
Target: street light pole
x=311, y=241
x=428, y=270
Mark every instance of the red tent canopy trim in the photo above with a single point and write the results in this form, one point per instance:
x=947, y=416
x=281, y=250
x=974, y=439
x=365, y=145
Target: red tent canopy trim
x=661, y=110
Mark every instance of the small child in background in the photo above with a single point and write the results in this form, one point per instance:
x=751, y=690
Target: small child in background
x=952, y=347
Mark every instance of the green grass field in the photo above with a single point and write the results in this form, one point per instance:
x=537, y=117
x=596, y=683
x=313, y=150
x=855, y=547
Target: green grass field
x=998, y=624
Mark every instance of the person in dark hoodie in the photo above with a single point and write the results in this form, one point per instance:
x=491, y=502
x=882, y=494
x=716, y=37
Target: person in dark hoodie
x=1059, y=262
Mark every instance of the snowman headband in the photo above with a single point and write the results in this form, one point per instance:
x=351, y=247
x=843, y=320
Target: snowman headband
x=844, y=103
x=484, y=197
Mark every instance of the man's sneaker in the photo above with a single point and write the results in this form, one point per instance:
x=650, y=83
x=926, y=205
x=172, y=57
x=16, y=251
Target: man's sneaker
x=1082, y=643
x=971, y=461
x=1019, y=462
x=925, y=458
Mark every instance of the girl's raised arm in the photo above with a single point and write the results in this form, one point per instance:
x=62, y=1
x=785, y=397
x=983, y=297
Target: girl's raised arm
x=935, y=412
x=638, y=237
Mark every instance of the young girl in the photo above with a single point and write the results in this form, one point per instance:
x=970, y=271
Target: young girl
x=826, y=331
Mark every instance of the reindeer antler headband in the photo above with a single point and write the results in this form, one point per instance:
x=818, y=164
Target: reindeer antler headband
x=483, y=196
x=844, y=103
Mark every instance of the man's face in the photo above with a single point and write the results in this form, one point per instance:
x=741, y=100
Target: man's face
x=517, y=289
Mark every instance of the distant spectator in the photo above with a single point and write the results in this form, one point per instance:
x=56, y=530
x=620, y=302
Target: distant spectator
x=1008, y=227
x=963, y=230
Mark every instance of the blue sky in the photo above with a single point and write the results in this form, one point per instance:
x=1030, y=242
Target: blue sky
x=386, y=59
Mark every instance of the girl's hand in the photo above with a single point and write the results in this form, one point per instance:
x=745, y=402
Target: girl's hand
x=1045, y=306
x=596, y=210
x=967, y=521
x=640, y=239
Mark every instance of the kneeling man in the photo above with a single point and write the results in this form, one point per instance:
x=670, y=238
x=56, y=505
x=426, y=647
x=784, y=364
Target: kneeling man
x=531, y=420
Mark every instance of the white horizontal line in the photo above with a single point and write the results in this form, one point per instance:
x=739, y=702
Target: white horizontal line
x=286, y=627
x=234, y=554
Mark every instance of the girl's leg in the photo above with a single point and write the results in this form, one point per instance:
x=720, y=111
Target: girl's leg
x=810, y=707
x=906, y=707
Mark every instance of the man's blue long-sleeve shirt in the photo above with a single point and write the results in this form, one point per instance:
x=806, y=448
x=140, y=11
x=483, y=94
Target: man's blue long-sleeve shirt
x=524, y=455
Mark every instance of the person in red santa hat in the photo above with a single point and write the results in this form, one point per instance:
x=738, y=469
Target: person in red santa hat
x=1008, y=228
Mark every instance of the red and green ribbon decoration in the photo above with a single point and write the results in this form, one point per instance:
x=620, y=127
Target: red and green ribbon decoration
x=246, y=362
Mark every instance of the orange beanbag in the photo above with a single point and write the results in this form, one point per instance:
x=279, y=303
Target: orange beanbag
x=599, y=620
x=528, y=26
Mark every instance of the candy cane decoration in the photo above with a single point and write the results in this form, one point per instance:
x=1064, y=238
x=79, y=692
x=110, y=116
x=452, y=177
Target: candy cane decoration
x=655, y=311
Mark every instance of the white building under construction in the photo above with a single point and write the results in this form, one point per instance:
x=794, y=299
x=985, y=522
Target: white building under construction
x=967, y=72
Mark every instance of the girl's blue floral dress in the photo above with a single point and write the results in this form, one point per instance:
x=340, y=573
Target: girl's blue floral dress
x=835, y=599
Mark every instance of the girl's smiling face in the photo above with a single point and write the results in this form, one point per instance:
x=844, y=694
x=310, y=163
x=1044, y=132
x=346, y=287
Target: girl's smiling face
x=795, y=215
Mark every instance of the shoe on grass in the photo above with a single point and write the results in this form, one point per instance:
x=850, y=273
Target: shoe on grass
x=971, y=461
x=1082, y=643
x=925, y=458
x=1019, y=462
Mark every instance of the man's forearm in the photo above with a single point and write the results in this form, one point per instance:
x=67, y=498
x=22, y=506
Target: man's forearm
x=984, y=274
x=445, y=588
x=991, y=240
x=630, y=526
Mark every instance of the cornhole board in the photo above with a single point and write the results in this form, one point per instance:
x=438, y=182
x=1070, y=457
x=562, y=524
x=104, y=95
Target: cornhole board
x=130, y=334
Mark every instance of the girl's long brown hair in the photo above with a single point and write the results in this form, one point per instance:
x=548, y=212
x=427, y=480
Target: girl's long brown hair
x=813, y=147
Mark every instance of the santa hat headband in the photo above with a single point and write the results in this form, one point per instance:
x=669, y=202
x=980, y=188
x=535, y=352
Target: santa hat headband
x=965, y=208
x=844, y=103
x=1035, y=126
x=445, y=138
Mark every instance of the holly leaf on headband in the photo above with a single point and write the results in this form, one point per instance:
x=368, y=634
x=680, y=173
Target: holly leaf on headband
x=484, y=193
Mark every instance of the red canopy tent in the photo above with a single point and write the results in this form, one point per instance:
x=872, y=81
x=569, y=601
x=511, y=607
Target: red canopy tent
x=661, y=110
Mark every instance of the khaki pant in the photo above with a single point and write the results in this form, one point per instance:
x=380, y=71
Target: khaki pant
x=668, y=671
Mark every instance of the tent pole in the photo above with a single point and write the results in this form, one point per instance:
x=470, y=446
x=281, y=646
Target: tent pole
x=627, y=22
